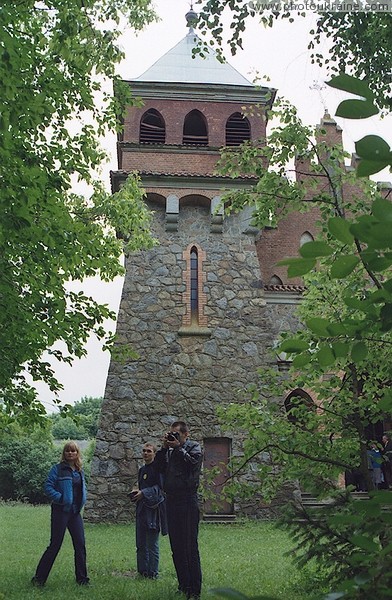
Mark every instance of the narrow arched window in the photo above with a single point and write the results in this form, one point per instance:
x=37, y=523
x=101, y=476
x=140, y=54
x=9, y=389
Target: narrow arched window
x=194, y=283
x=194, y=296
x=152, y=127
x=237, y=130
x=195, y=129
x=305, y=238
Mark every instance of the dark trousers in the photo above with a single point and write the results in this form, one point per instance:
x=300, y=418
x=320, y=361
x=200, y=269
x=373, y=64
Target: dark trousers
x=183, y=524
x=60, y=522
x=147, y=550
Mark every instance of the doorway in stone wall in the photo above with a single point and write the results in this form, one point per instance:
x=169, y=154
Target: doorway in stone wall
x=217, y=452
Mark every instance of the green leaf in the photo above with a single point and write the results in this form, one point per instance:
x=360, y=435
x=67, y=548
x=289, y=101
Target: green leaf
x=315, y=249
x=325, y=356
x=343, y=266
x=293, y=345
x=369, y=167
x=351, y=84
x=381, y=232
x=356, y=109
x=365, y=543
x=302, y=359
x=388, y=285
x=379, y=263
x=318, y=326
x=298, y=266
x=355, y=303
x=373, y=147
x=382, y=209
x=340, y=349
x=339, y=228
x=386, y=317
x=359, y=352
x=337, y=328
x=363, y=227
x=385, y=404
x=343, y=520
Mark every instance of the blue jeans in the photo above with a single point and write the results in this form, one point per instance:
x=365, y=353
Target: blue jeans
x=147, y=550
x=183, y=523
x=60, y=522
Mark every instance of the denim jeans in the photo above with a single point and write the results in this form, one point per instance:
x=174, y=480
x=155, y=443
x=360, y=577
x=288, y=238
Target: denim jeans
x=147, y=550
x=183, y=523
x=60, y=522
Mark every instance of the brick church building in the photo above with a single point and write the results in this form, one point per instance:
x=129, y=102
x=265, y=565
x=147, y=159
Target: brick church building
x=203, y=309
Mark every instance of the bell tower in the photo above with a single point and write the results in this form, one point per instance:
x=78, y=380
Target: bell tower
x=192, y=307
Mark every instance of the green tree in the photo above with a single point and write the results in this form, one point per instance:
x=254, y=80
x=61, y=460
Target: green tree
x=360, y=41
x=341, y=351
x=56, y=60
x=79, y=422
x=24, y=465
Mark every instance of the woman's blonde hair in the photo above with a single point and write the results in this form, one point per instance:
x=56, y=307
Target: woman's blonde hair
x=72, y=446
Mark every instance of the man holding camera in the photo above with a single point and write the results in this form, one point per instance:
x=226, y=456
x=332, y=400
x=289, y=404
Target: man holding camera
x=180, y=460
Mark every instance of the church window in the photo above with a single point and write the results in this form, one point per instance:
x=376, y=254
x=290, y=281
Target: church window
x=237, y=130
x=195, y=129
x=305, y=238
x=194, y=321
x=152, y=128
x=194, y=282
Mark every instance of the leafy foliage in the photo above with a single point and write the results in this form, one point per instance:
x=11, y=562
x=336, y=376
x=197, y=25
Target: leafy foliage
x=360, y=41
x=57, y=59
x=340, y=354
x=24, y=466
x=79, y=422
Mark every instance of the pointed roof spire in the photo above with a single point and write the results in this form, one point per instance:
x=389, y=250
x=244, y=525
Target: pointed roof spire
x=191, y=18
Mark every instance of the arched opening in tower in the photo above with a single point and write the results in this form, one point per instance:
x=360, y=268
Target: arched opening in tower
x=152, y=128
x=237, y=130
x=195, y=129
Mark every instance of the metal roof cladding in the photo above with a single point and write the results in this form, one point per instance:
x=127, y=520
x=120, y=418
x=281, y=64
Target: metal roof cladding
x=181, y=65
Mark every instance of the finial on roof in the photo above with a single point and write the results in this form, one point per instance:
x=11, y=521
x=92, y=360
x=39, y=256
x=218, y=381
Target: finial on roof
x=191, y=18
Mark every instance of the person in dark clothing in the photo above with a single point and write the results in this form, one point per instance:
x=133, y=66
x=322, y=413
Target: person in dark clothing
x=150, y=514
x=66, y=488
x=179, y=460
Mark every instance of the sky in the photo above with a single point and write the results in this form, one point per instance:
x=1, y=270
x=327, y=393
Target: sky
x=279, y=53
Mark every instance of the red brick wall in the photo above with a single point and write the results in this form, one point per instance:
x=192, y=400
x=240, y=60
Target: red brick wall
x=175, y=162
x=284, y=242
x=175, y=111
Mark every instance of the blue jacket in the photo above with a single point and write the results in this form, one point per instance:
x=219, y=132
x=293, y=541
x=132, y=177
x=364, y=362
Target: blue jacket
x=58, y=486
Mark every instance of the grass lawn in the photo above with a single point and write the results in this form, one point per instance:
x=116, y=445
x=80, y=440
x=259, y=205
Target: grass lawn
x=248, y=556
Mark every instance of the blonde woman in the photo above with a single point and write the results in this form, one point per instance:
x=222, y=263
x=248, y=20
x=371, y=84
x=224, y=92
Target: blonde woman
x=66, y=488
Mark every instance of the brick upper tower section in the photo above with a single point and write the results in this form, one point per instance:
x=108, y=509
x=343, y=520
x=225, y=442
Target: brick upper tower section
x=192, y=107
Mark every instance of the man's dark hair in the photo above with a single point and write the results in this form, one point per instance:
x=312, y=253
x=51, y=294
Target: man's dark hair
x=182, y=425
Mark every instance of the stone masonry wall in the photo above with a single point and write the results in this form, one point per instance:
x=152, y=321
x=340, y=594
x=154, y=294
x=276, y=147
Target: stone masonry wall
x=180, y=376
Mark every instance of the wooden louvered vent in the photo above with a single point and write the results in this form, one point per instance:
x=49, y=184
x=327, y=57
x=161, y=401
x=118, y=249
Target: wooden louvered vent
x=237, y=130
x=152, y=128
x=195, y=129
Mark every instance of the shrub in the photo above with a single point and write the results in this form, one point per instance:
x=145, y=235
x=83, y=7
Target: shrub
x=24, y=465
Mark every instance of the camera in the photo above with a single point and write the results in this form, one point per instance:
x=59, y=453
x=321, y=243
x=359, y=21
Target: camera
x=172, y=436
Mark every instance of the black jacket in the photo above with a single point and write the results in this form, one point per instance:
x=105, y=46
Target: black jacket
x=180, y=468
x=151, y=509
